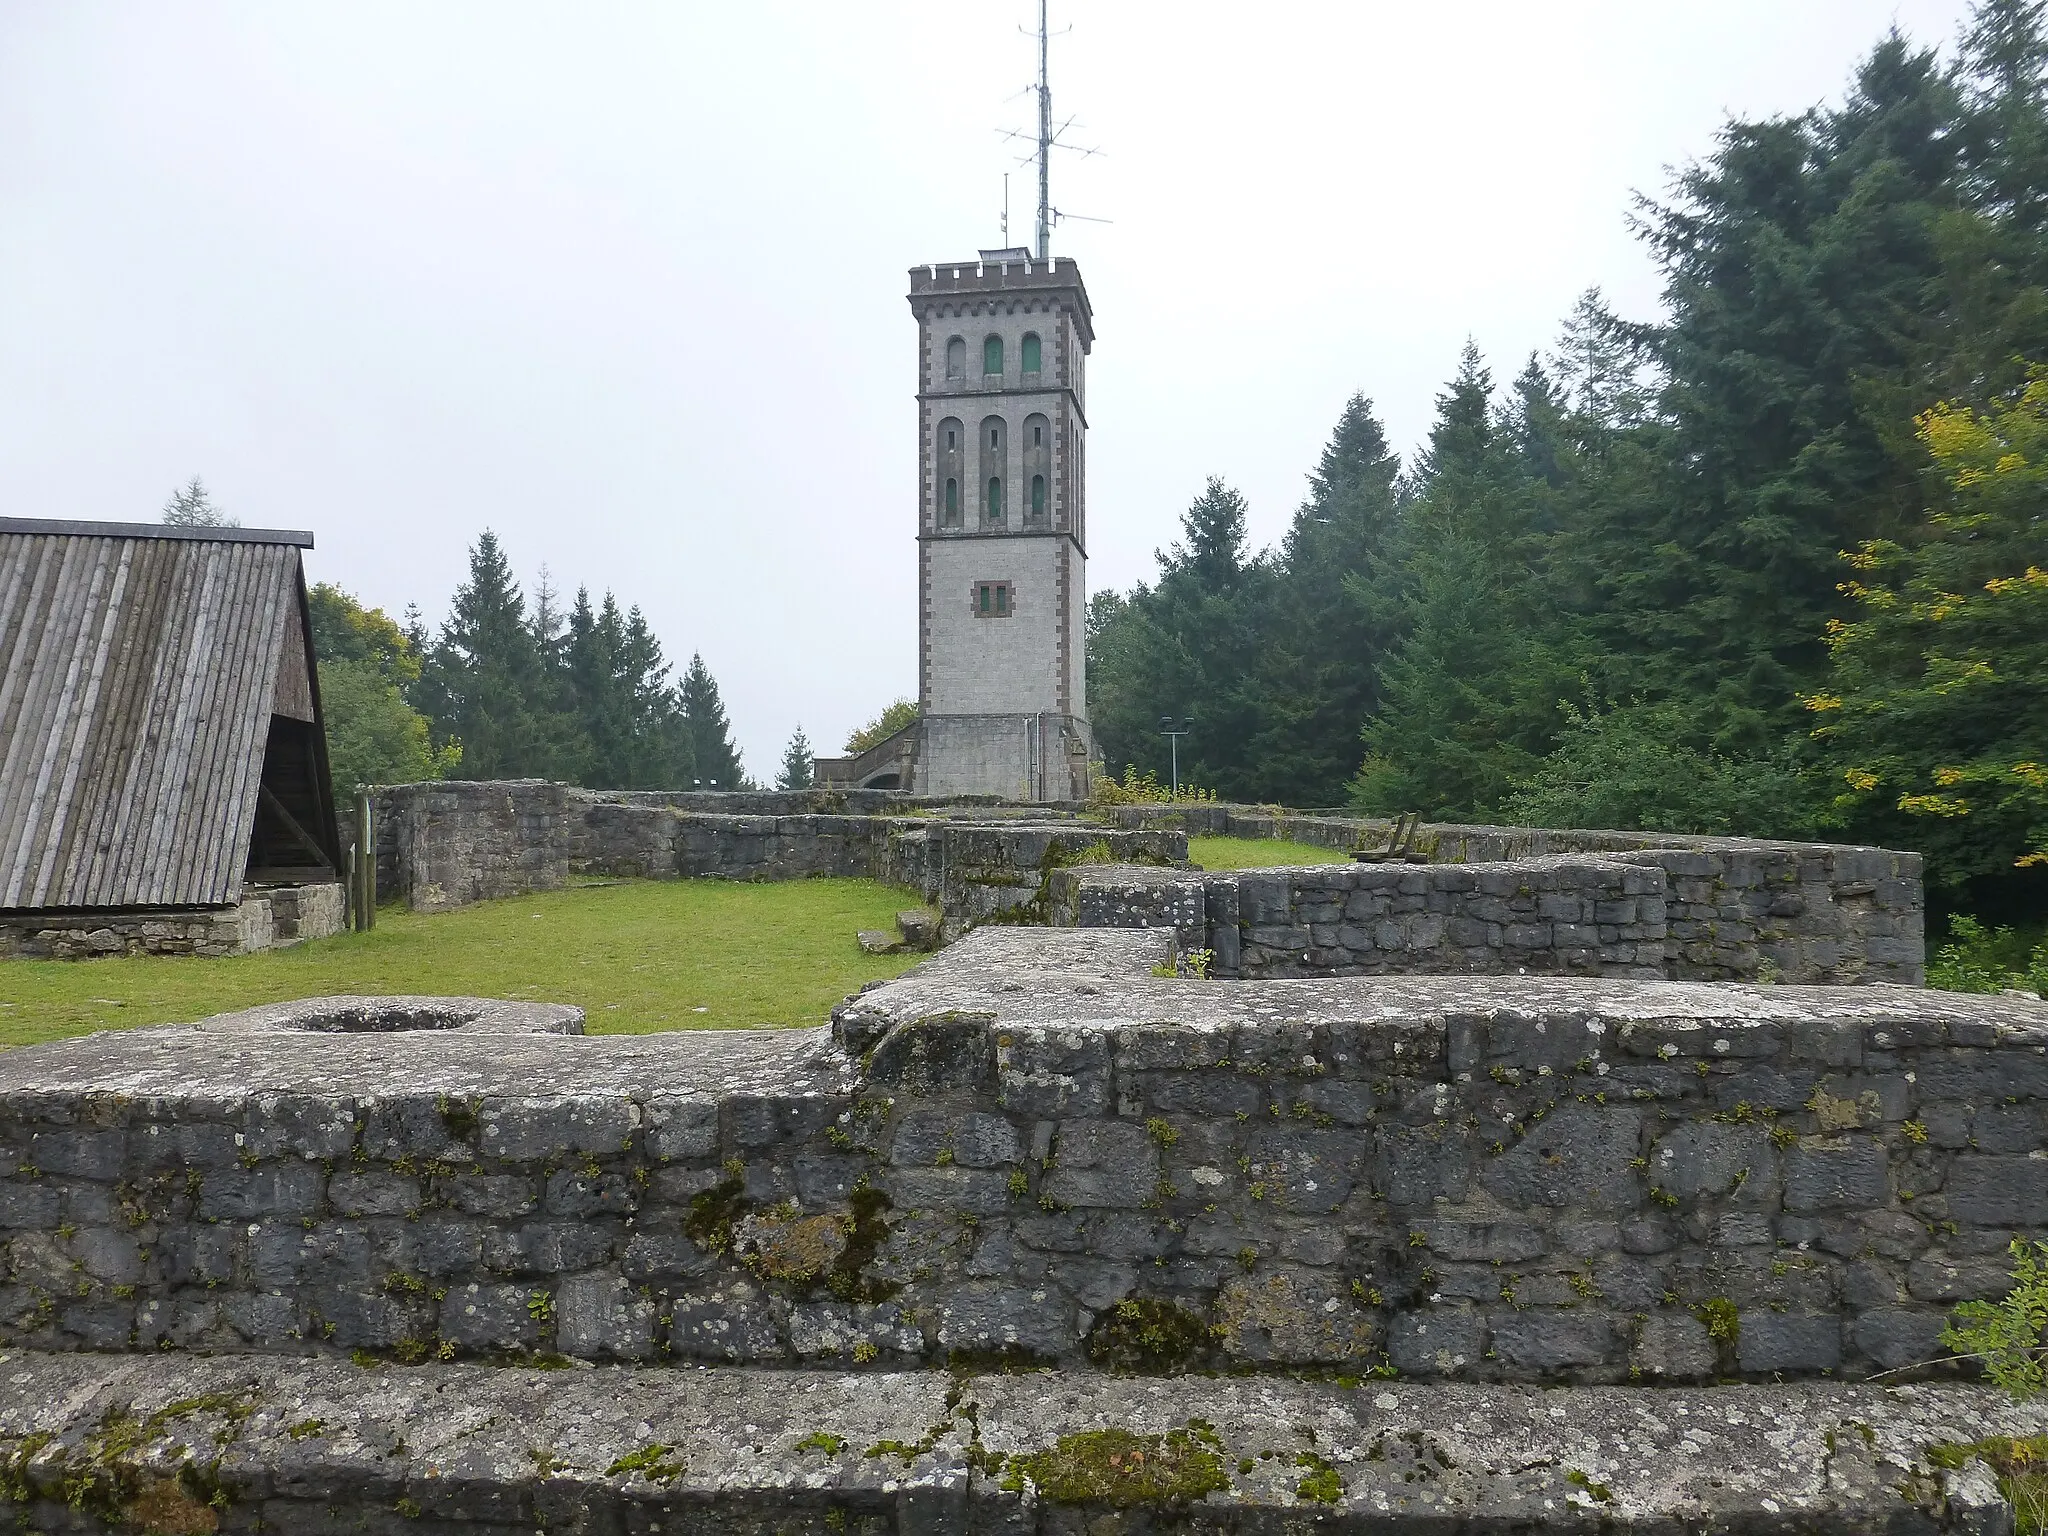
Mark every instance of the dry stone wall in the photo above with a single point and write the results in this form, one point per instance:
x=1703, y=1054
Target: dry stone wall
x=444, y=845
x=266, y=918
x=1725, y=910
x=1034, y=1148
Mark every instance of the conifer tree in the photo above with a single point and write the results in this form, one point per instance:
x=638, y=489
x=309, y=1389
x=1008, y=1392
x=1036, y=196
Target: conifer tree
x=1187, y=648
x=1330, y=622
x=796, y=763
x=482, y=679
x=717, y=762
x=1470, y=689
x=191, y=507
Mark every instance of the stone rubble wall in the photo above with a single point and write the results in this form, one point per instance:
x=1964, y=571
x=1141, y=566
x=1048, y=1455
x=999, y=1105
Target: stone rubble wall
x=301, y=912
x=1721, y=911
x=1033, y=1147
x=267, y=918
x=444, y=845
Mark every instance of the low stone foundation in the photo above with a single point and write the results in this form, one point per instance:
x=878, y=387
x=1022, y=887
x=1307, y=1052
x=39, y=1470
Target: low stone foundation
x=1795, y=912
x=267, y=918
x=1033, y=1146
x=443, y=845
x=1429, y=1254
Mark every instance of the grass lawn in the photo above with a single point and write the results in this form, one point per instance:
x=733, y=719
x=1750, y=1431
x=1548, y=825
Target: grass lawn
x=1258, y=853
x=638, y=956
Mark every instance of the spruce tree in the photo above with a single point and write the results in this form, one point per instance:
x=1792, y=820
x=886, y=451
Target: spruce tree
x=1186, y=648
x=191, y=507
x=717, y=763
x=796, y=763
x=603, y=710
x=483, y=679
x=1329, y=622
x=1470, y=689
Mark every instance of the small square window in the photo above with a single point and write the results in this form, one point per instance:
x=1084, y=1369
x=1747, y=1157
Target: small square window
x=991, y=600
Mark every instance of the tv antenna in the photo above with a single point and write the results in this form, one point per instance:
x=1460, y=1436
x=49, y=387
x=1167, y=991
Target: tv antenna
x=1047, y=139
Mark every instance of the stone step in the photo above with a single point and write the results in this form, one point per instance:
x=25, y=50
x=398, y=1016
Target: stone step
x=95, y=1442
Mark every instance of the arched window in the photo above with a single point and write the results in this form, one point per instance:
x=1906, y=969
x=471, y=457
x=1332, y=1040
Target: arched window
x=1031, y=352
x=1037, y=470
x=992, y=355
x=956, y=358
x=950, y=470
x=995, y=468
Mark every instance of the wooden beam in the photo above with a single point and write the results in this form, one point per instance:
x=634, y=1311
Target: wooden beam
x=291, y=823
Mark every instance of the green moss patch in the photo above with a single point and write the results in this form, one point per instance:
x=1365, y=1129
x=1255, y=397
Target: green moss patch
x=1145, y=1336
x=1320, y=1484
x=2022, y=1470
x=1121, y=1469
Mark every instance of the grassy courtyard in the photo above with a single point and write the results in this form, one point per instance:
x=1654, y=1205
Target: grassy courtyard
x=1258, y=853
x=637, y=956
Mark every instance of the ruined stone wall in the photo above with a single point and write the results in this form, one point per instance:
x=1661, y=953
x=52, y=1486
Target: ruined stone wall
x=1724, y=910
x=444, y=845
x=266, y=918
x=1033, y=1147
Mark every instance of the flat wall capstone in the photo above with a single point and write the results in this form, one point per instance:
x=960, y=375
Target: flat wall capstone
x=1033, y=1147
x=249, y=1443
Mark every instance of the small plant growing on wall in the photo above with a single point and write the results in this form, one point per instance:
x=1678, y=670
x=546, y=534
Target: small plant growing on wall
x=2007, y=1336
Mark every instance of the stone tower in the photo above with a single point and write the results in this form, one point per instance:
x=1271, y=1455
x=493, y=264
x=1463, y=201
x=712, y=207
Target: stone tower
x=1002, y=528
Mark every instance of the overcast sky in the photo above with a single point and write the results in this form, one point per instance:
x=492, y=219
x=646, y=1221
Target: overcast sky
x=625, y=282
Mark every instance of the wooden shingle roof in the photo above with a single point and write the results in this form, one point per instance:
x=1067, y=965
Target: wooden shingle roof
x=139, y=670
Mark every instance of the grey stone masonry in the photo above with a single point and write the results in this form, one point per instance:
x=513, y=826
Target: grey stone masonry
x=443, y=845
x=1037, y=1147
x=1723, y=910
x=267, y=917
x=238, y=1443
x=1570, y=913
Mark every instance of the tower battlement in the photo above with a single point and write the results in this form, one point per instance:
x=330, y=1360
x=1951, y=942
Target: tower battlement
x=1004, y=272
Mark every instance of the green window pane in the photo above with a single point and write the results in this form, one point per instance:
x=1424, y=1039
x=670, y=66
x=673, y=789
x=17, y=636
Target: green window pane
x=1038, y=495
x=992, y=355
x=995, y=499
x=952, y=501
x=1031, y=353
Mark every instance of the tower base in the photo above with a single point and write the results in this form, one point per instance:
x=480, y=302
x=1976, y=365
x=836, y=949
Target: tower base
x=1031, y=758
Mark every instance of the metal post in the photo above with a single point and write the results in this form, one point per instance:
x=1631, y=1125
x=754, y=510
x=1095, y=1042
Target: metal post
x=1173, y=734
x=1044, y=145
x=366, y=864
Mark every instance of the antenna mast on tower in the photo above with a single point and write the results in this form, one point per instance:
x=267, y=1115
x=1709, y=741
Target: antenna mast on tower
x=1044, y=143
x=1047, y=139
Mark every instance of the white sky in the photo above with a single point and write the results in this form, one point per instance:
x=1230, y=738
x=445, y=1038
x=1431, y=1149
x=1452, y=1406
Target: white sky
x=625, y=282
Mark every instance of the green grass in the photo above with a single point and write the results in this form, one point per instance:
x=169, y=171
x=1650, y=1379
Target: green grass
x=638, y=956
x=1258, y=853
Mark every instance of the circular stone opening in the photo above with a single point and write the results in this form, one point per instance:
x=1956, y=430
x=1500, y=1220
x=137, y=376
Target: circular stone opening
x=369, y=1018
